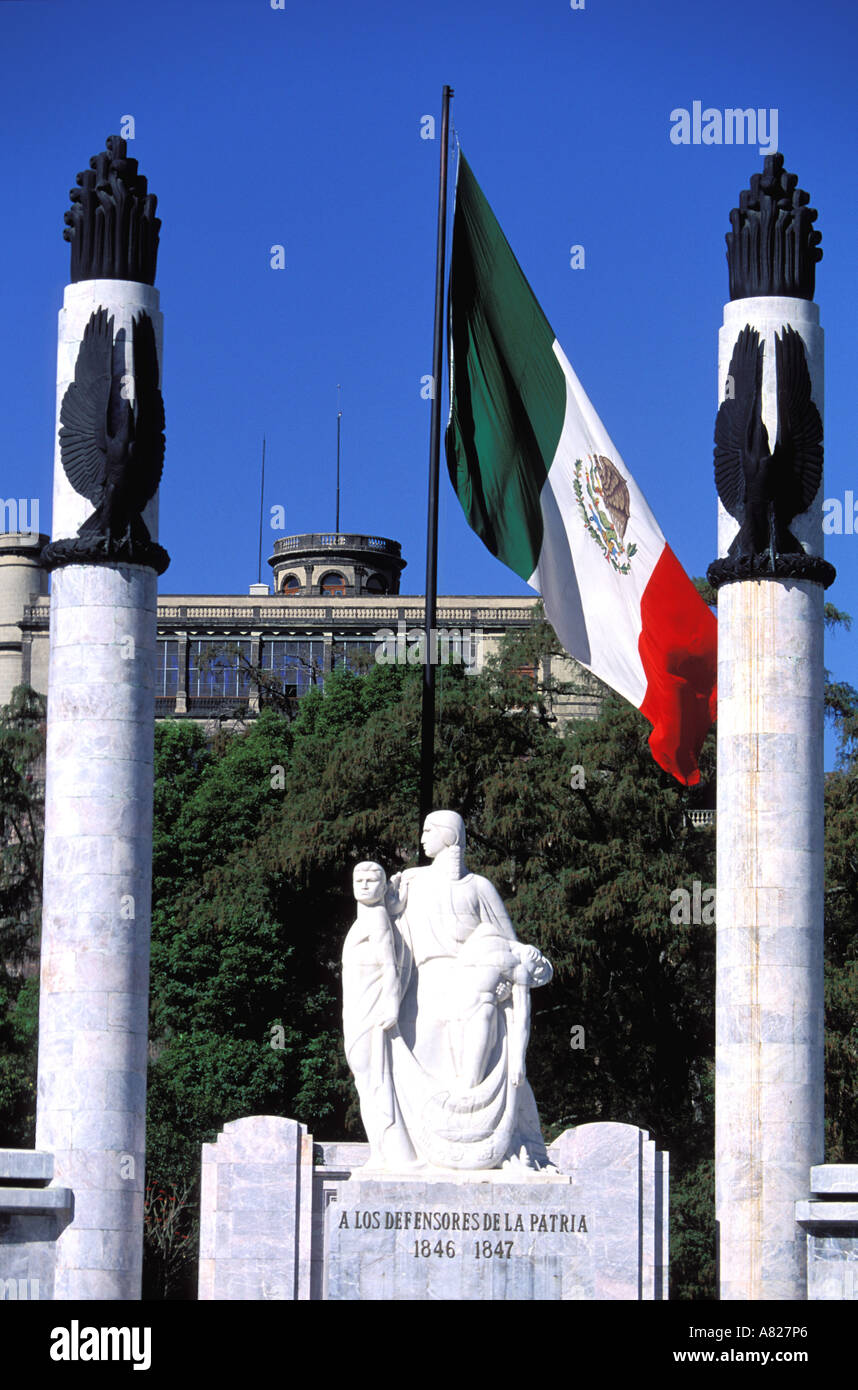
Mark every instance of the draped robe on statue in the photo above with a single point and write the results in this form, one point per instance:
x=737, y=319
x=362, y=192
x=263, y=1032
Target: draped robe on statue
x=452, y=1122
x=374, y=959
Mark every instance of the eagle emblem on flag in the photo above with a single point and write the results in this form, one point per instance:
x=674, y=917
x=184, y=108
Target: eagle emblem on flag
x=603, y=500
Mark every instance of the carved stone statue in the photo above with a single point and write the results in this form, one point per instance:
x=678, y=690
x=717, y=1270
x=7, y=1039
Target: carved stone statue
x=436, y=1015
x=373, y=962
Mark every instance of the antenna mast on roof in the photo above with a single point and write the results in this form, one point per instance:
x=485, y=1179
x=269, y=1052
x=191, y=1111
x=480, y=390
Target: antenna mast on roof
x=339, y=418
x=261, y=500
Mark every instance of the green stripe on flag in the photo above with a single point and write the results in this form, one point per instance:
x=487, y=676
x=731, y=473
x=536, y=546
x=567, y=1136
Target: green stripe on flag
x=507, y=389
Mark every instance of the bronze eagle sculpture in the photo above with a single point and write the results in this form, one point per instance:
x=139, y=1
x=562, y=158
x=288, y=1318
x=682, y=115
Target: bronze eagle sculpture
x=112, y=450
x=763, y=488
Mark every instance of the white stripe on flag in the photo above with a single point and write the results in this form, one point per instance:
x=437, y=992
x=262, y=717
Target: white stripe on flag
x=573, y=574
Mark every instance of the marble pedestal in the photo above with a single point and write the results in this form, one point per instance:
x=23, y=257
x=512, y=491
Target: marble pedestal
x=283, y=1218
x=33, y=1216
x=830, y=1219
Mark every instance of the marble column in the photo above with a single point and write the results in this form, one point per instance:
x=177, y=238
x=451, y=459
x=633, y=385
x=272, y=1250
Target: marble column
x=769, y=1084
x=93, y=1023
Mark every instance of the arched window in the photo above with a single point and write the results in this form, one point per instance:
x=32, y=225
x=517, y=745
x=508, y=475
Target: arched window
x=376, y=585
x=292, y=586
x=333, y=586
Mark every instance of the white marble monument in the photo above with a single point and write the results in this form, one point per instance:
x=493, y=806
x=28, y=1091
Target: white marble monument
x=436, y=1015
x=454, y=1196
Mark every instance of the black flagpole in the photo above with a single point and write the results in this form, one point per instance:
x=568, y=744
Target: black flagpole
x=427, y=729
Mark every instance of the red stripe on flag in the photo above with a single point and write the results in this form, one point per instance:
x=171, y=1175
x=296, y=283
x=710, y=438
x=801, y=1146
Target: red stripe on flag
x=678, y=647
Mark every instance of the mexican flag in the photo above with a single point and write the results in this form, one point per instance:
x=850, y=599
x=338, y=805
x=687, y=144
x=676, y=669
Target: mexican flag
x=544, y=487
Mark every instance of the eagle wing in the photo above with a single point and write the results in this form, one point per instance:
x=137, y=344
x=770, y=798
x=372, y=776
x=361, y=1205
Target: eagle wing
x=83, y=413
x=735, y=416
x=616, y=494
x=799, y=424
x=149, y=414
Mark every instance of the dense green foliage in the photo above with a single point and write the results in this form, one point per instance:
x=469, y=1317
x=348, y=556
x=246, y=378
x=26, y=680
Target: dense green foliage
x=21, y=826
x=841, y=963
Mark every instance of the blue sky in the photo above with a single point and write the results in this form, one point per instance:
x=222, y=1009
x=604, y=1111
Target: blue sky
x=301, y=127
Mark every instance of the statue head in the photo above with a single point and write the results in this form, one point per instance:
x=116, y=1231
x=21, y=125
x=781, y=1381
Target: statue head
x=440, y=830
x=369, y=882
x=540, y=970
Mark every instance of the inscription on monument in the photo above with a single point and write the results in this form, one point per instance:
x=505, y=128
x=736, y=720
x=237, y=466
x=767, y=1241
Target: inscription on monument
x=358, y=1220
x=466, y=1240
x=482, y=1227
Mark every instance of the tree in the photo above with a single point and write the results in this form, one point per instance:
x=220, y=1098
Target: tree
x=841, y=919
x=21, y=834
x=21, y=822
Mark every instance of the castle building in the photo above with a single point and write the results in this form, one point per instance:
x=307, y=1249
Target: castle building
x=336, y=602
x=23, y=588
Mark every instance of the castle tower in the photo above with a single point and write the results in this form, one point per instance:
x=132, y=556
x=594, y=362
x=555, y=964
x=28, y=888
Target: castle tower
x=337, y=564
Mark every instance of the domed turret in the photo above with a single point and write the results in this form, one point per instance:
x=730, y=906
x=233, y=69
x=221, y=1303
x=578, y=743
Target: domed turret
x=336, y=564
